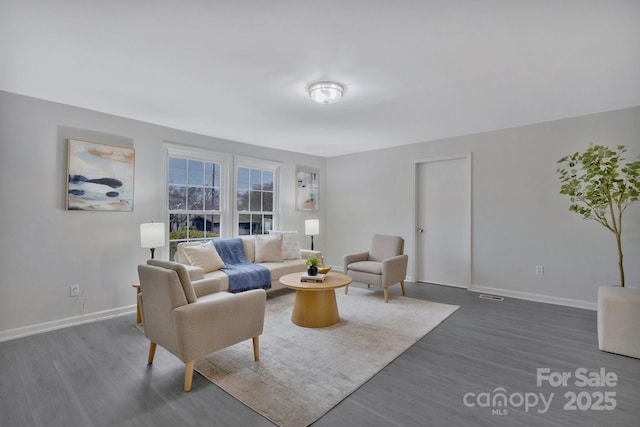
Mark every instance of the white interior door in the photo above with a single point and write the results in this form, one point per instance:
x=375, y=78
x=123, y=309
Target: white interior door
x=443, y=221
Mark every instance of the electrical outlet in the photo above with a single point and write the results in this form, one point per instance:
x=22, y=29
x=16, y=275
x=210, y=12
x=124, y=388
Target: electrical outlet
x=74, y=290
x=539, y=270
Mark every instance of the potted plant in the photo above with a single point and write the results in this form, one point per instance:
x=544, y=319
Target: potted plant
x=312, y=263
x=601, y=188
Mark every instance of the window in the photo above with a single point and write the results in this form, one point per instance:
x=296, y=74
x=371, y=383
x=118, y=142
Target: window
x=200, y=196
x=255, y=197
x=195, y=198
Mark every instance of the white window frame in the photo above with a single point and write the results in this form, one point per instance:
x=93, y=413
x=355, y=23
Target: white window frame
x=225, y=160
x=250, y=162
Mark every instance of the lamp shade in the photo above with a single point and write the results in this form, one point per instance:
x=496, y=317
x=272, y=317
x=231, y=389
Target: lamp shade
x=152, y=235
x=312, y=227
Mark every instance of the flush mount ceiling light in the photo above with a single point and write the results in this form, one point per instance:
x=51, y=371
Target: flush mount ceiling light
x=326, y=92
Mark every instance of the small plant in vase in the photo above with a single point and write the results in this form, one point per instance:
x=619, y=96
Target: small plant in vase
x=312, y=263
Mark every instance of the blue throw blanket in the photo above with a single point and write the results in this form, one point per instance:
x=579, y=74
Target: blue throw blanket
x=243, y=275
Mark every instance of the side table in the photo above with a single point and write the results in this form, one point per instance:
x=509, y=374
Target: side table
x=139, y=316
x=315, y=305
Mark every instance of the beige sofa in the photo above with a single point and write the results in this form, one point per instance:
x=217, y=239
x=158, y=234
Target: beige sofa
x=259, y=250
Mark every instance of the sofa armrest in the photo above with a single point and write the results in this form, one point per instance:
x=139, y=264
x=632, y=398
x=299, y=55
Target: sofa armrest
x=351, y=258
x=206, y=286
x=212, y=324
x=394, y=269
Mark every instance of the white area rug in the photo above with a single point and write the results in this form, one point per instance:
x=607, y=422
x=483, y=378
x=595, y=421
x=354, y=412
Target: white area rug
x=302, y=372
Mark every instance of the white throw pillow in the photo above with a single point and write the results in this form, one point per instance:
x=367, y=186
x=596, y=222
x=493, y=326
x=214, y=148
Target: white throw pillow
x=269, y=248
x=204, y=256
x=249, y=248
x=290, y=244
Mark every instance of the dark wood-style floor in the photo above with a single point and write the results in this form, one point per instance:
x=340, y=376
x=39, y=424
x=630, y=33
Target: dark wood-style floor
x=96, y=375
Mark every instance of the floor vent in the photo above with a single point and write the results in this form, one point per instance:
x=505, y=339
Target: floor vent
x=491, y=297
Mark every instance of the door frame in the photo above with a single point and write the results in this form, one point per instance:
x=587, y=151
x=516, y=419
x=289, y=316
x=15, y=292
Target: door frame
x=415, y=195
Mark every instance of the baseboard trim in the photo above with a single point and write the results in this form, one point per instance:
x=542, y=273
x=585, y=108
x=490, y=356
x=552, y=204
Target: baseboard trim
x=567, y=302
x=64, y=323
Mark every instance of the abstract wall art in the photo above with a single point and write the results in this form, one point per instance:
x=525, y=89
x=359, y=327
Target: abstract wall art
x=307, y=189
x=99, y=177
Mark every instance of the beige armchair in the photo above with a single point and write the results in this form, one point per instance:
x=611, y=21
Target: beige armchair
x=192, y=323
x=384, y=265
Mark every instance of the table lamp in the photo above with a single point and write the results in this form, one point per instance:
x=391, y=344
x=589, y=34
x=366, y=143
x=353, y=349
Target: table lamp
x=152, y=236
x=311, y=228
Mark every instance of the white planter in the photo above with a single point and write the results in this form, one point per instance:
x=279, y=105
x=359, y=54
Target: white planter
x=619, y=320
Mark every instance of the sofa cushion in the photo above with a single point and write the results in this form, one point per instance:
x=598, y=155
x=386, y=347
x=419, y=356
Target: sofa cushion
x=371, y=267
x=179, y=255
x=204, y=256
x=279, y=269
x=249, y=247
x=290, y=244
x=268, y=248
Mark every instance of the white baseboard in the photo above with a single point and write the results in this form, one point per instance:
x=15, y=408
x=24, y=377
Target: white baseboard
x=535, y=297
x=64, y=323
x=567, y=302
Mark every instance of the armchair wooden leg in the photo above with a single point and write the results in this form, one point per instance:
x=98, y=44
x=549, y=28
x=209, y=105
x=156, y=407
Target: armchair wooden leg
x=152, y=352
x=256, y=349
x=188, y=375
x=402, y=286
x=386, y=294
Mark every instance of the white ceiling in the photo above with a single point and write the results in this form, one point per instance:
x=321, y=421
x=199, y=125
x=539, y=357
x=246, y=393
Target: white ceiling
x=414, y=70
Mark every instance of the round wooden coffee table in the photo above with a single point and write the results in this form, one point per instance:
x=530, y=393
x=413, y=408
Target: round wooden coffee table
x=315, y=305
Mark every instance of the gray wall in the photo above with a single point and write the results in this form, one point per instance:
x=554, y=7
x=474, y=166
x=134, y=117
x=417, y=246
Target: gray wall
x=519, y=219
x=45, y=248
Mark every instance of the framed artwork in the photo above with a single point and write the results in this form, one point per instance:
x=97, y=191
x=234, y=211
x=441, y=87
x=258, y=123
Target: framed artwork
x=99, y=177
x=307, y=189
